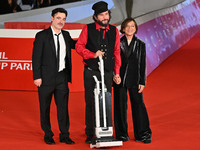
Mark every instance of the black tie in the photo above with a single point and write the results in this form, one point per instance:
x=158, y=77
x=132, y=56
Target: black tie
x=58, y=51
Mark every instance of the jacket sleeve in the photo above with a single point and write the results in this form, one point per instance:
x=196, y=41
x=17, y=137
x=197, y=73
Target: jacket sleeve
x=142, y=64
x=37, y=56
x=117, y=54
x=72, y=42
x=81, y=43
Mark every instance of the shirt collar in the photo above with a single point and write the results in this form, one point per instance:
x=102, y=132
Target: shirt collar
x=98, y=27
x=54, y=31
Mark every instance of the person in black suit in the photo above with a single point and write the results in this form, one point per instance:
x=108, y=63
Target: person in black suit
x=51, y=61
x=133, y=77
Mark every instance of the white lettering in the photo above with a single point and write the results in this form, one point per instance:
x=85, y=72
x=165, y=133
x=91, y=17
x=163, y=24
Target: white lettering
x=3, y=55
x=3, y=65
x=13, y=65
x=26, y=66
x=19, y=66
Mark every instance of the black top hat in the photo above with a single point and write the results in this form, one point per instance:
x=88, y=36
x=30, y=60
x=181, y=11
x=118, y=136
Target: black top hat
x=100, y=7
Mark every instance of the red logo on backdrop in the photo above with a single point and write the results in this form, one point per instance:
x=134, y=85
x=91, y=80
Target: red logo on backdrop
x=16, y=64
x=8, y=64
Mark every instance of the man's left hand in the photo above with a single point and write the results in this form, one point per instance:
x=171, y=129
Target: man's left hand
x=117, y=79
x=141, y=88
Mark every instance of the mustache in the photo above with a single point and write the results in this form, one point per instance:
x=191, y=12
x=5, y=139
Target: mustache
x=103, y=24
x=60, y=24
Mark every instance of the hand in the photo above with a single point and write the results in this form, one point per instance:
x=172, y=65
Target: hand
x=99, y=53
x=38, y=82
x=117, y=79
x=141, y=88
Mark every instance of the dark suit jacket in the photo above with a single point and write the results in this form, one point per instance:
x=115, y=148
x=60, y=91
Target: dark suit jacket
x=133, y=68
x=44, y=56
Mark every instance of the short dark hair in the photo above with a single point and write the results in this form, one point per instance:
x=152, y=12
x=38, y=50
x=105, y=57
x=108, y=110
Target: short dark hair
x=97, y=15
x=125, y=22
x=60, y=10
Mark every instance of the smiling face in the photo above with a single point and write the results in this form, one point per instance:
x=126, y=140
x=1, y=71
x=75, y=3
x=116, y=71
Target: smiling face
x=58, y=21
x=103, y=18
x=130, y=29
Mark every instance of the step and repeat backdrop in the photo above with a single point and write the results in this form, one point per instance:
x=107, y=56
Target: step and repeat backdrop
x=164, y=33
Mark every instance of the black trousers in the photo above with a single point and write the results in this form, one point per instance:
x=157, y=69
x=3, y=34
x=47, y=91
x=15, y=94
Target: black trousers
x=89, y=85
x=61, y=93
x=139, y=112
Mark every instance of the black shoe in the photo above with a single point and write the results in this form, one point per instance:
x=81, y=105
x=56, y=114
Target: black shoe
x=145, y=139
x=49, y=140
x=123, y=138
x=67, y=140
x=88, y=140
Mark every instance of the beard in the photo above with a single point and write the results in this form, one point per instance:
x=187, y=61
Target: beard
x=103, y=24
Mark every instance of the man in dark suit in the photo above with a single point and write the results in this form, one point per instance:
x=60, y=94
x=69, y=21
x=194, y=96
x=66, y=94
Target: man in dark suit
x=51, y=61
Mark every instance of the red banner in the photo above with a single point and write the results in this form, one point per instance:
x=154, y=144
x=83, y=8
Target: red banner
x=16, y=66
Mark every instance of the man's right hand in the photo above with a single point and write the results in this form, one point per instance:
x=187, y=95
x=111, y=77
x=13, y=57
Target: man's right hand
x=99, y=53
x=38, y=82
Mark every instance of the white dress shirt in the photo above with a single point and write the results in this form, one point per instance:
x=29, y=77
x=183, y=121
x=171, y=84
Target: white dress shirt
x=62, y=49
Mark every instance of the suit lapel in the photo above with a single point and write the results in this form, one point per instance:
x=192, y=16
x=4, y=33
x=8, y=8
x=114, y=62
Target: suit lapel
x=51, y=40
x=66, y=39
x=124, y=45
x=134, y=44
x=132, y=47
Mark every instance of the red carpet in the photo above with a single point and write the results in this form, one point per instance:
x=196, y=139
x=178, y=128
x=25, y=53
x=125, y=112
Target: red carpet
x=171, y=97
